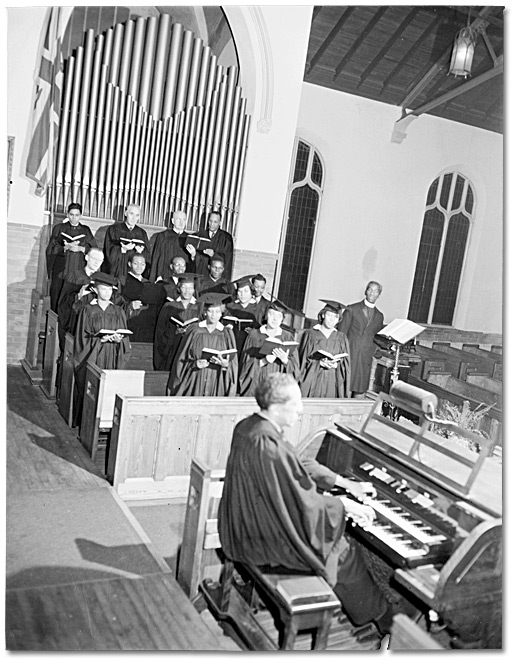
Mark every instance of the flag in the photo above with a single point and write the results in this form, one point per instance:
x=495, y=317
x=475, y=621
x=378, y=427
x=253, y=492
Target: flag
x=47, y=101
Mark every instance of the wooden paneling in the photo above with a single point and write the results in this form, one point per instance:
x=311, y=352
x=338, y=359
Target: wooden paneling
x=66, y=392
x=51, y=355
x=155, y=439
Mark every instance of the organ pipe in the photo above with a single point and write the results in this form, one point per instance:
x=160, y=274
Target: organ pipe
x=149, y=117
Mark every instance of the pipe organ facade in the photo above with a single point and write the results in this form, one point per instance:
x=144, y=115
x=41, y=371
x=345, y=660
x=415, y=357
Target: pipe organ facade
x=149, y=117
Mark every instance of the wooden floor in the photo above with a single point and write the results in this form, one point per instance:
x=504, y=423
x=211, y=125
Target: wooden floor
x=86, y=606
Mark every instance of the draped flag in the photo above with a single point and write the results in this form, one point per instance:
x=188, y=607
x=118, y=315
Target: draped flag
x=47, y=100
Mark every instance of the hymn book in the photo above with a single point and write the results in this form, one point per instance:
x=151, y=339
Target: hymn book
x=107, y=331
x=207, y=353
x=273, y=343
x=299, y=590
x=184, y=323
x=136, y=241
x=238, y=321
x=72, y=239
x=321, y=354
x=401, y=330
x=198, y=242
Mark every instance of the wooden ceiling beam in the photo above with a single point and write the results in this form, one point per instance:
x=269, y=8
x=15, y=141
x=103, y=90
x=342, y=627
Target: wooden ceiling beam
x=437, y=67
x=329, y=39
x=359, y=41
x=388, y=45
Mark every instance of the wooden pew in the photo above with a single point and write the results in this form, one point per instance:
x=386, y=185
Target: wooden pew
x=51, y=355
x=407, y=635
x=141, y=357
x=154, y=440
x=457, y=362
x=491, y=422
x=466, y=389
x=66, y=392
x=483, y=380
x=101, y=387
x=483, y=362
x=434, y=360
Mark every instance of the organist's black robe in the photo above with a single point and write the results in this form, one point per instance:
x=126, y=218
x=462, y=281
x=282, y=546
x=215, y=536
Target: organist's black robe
x=186, y=379
x=317, y=381
x=271, y=514
x=254, y=367
x=116, y=262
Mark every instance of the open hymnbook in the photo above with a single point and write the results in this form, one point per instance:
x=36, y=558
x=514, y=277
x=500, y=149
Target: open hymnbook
x=402, y=330
x=324, y=355
x=208, y=353
x=121, y=331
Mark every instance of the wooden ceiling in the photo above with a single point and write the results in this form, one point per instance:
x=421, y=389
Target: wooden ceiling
x=400, y=55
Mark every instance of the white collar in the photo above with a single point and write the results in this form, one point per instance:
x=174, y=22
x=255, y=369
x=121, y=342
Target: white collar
x=137, y=277
x=94, y=301
x=218, y=325
x=369, y=305
x=192, y=301
x=277, y=332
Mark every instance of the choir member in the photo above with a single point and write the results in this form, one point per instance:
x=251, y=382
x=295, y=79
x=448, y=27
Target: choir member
x=360, y=323
x=206, y=373
x=242, y=313
x=171, y=282
x=168, y=244
x=72, y=291
x=109, y=351
x=213, y=281
x=169, y=332
x=220, y=242
x=255, y=364
x=324, y=356
x=143, y=300
x=259, y=283
x=122, y=238
x=69, y=242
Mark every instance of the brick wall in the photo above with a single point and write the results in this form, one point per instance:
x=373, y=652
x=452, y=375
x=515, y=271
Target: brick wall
x=459, y=337
x=248, y=262
x=25, y=272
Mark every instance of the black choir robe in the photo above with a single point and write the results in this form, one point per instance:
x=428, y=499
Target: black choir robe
x=254, y=367
x=168, y=334
x=271, y=514
x=61, y=262
x=360, y=332
x=221, y=243
x=242, y=329
x=88, y=346
x=143, y=321
x=208, y=284
x=116, y=262
x=167, y=245
x=187, y=379
x=315, y=380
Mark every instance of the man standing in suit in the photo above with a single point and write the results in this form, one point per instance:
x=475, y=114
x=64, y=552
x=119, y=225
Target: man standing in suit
x=360, y=322
x=221, y=242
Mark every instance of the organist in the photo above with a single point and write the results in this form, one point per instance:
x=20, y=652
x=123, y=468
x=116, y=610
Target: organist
x=272, y=516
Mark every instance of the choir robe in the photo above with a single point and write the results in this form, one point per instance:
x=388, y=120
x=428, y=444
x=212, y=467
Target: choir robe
x=241, y=330
x=319, y=382
x=186, y=379
x=208, y=284
x=116, y=262
x=168, y=334
x=360, y=332
x=171, y=287
x=88, y=346
x=221, y=243
x=61, y=262
x=143, y=321
x=167, y=245
x=254, y=368
x=272, y=515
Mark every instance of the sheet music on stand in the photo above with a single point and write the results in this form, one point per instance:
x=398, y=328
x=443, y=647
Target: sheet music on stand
x=401, y=331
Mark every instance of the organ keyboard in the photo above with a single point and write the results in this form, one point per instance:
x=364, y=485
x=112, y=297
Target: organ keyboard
x=438, y=512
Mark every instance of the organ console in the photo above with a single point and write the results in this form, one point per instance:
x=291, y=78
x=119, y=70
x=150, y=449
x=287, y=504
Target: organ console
x=438, y=511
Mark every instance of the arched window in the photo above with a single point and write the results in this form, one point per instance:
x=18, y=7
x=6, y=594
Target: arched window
x=449, y=212
x=300, y=225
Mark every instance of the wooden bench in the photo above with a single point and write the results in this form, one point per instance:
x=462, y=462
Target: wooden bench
x=484, y=381
x=202, y=563
x=101, y=387
x=66, y=381
x=491, y=422
x=466, y=389
x=407, y=635
x=141, y=356
x=484, y=364
x=153, y=440
x=487, y=353
x=457, y=365
x=51, y=355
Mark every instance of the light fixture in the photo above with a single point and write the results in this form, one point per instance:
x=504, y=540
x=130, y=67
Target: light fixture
x=463, y=50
